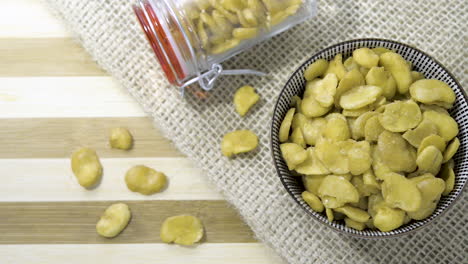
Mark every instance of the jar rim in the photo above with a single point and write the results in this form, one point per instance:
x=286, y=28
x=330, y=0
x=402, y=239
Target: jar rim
x=162, y=42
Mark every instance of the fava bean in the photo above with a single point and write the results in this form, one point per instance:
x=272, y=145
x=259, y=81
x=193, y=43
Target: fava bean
x=432, y=92
x=86, y=166
x=286, y=125
x=400, y=192
x=399, y=69
x=182, y=229
x=114, y=220
x=145, y=180
x=316, y=69
x=120, y=138
x=400, y=116
x=366, y=57
x=387, y=219
x=311, y=165
x=452, y=148
x=244, y=98
x=313, y=201
x=237, y=142
x=293, y=154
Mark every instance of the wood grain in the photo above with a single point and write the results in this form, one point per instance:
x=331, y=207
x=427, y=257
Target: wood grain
x=24, y=97
x=29, y=18
x=74, y=222
x=59, y=137
x=45, y=57
x=207, y=253
x=52, y=180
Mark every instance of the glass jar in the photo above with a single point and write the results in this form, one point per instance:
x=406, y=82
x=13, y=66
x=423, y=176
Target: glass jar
x=192, y=37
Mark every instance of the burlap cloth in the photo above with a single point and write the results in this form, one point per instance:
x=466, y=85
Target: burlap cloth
x=110, y=32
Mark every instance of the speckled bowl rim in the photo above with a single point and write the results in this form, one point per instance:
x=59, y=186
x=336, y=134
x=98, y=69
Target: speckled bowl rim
x=319, y=216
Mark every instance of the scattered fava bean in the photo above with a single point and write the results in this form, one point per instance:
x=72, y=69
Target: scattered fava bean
x=448, y=175
x=423, y=130
x=86, y=166
x=316, y=69
x=452, y=148
x=354, y=213
x=399, y=69
x=293, y=154
x=400, y=192
x=366, y=57
x=114, y=220
x=339, y=188
x=447, y=127
x=401, y=116
x=244, y=98
x=354, y=224
x=239, y=141
x=432, y=92
x=120, y=138
x=360, y=96
x=378, y=76
x=431, y=189
x=429, y=160
x=311, y=165
x=313, y=201
x=286, y=125
x=145, y=180
x=336, y=66
x=432, y=140
x=387, y=219
x=182, y=229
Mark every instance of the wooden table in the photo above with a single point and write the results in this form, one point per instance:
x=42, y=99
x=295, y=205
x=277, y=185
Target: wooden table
x=54, y=99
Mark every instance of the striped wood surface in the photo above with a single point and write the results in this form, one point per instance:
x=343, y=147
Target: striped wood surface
x=53, y=99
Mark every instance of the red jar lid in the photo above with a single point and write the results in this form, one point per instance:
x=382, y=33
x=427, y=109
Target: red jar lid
x=160, y=43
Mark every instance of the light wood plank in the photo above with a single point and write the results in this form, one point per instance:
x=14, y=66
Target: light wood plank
x=29, y=18
x=229, y=253
x=74, y=222
x=26, y=180
x=45, y=57
x=23, y=97
x=59, y=137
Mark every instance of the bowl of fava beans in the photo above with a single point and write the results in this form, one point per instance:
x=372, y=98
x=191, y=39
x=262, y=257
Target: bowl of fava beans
x=368, y=137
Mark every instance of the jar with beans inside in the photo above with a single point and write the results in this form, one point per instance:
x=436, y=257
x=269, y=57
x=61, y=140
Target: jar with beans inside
x=191, y=38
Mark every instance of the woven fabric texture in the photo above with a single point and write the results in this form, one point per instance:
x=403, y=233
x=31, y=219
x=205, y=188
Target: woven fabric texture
x=110, y=32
